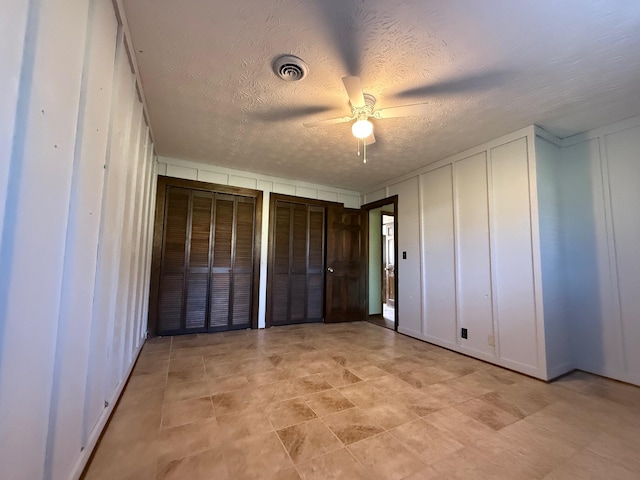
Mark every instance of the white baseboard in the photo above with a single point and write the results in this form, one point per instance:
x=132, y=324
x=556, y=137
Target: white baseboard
x=92, y=441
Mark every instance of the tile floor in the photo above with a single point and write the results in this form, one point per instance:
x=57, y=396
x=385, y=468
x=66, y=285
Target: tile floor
x=356, y=401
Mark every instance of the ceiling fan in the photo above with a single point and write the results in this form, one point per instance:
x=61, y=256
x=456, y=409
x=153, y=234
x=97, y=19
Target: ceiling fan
x=363, y=108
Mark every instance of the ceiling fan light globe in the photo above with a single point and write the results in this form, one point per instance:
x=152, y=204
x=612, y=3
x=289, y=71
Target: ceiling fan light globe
x=362, y=129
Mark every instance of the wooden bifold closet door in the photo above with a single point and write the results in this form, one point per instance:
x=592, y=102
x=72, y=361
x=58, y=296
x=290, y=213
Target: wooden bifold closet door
x=297, y=269
x=206, y=263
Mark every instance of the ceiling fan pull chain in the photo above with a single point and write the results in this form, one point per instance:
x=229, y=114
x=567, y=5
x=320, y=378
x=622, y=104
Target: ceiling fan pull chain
x=358, y=142
x=364, y=148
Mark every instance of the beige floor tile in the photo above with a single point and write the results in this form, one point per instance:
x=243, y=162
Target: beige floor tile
x=187, y=363
x=144, y=367
x=581, y=426
x=337, y=465
x=619, y=451
x=258, y=456
x=215, y=368
x=362, y=393
x=458, y=426
x=518, y=400
x=383, y=455
x=352, y=425
x=186, y=391
x=186, y=352
x=185, y=376
x=367, y=371
x=141, y=382
x=308, y=440
x=227, y=383
x=425, y=376
x=448, y=394
x=200, y=466
x=238, y=427
x=154, y=357
x=186, y=411
x=426, y=441
x=339, y=377
x=235, y=402
x=587, y=465
x=486, y=413
x=140, y=400
x=390, y=414
x=309, y=384
x=289, y=412
x=328, y=401
x=177, y=442
x=265, y=378
x=421, y=403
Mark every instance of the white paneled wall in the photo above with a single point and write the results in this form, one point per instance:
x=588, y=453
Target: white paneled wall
x=177, y=168
x=439, y=260
x=409, y=298
x=473, y=265
x=474, y=227
x=77, y=196
x=600, y=197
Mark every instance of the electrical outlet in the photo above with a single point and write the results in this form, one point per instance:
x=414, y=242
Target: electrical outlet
x=463, y=333
x=491, y=340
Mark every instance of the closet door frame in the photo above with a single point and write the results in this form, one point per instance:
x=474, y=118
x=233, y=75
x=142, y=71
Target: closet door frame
x=163, y=184
x=273, y=199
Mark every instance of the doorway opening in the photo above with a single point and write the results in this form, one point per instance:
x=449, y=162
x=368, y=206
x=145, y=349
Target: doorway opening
x=381, y=269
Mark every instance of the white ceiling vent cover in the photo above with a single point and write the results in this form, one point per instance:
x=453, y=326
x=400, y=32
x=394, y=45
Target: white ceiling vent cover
x=290, y=68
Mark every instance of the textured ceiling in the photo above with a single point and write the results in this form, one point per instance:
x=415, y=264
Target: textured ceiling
x=485, y=67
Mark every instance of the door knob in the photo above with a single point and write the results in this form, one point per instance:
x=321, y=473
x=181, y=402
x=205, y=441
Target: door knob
x=330, y=270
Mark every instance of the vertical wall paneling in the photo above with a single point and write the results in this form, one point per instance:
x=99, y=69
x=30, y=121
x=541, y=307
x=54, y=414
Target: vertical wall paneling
x=438, y=255
x=592, y=304
x=549, y=180
x=103, y=311
x=74, y=328
x=512, y=253
x=149, y=243
x=35, y=224
x=123, y=245
x=473, y=253
x=141, y=256
x=408, y=238
x=138, y=205
x=622, y=163
x=14, y=16
x=74, y=229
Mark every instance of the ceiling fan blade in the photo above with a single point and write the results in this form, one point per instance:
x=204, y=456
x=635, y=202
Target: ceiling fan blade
x=330, y=121
x=462, y=84
x=370, y=139
x=280, y=114
x=417, y=110
x=339, y=19
x=354, y=90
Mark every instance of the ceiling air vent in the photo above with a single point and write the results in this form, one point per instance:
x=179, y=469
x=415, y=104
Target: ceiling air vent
x=290, y=68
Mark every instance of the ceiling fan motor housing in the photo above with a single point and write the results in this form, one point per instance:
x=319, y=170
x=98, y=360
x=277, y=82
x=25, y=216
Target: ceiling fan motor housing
x=290, y=68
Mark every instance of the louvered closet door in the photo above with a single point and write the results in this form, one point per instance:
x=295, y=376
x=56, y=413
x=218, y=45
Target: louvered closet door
x=206, y=271
x=297, y=290
x=174, y=255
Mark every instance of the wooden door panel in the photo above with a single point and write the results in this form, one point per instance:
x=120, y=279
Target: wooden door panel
x=280, y=298
x=344, y=285
x=219, y=301
x=241, y=300
x=206, y=262
x=296, y=287
x=196, y=305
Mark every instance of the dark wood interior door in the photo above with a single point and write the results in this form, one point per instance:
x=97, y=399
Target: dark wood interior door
x=344, y=300
x=206, y=262
x=297, y=264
